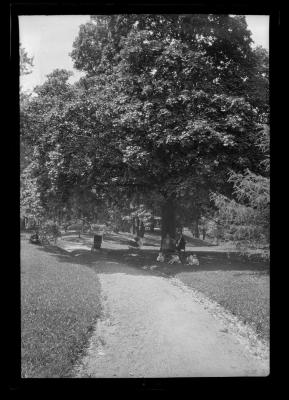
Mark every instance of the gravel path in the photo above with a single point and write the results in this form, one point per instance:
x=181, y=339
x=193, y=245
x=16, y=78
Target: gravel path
x=155, y=327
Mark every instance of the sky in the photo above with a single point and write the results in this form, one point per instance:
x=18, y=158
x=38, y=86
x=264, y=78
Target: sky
x=49, y=40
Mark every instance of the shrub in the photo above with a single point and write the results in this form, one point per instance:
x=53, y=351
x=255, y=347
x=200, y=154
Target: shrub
x=245, y=219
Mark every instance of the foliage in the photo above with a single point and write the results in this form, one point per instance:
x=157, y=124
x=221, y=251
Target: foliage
x=26, y=62
x=164, y=111
x=182, y=108
x=246, y=217
x=258, y=84
x=30, y=195
x=50, y=229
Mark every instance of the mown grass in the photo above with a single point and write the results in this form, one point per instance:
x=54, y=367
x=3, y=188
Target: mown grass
x=244, y=293
x=60, y=303
x=241, y=286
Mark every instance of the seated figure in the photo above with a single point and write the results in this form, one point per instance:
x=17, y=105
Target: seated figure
x=136, y=243
x=160, y=257
x=175, y=259
x=34, y=238
x=193, y=260
x=181, y=243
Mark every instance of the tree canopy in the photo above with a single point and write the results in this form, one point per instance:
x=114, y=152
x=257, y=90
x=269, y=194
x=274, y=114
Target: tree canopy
x=168, y=105
x=26, y=62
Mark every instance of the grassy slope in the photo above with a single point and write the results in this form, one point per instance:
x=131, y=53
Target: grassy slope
x=60, y=302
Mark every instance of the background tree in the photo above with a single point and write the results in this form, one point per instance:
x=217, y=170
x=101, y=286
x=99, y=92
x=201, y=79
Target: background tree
x=246, y=214
x=26, y=62
x=25, y=68
x=29, y=194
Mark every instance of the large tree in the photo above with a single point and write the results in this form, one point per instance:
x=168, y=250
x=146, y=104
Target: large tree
x=162, y=114
x=181, y=113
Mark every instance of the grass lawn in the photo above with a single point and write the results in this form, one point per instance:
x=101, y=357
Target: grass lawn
x=241, y=287
x=244, y=293
x=60, y=303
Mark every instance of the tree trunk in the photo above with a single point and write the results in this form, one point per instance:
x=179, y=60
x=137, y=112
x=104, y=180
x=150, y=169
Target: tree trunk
x=142, y=230
x=152, y=224
x=60, y=217
x=169, y=220
x=204, y=233
x=138, y=227
x=218, y=235
x=134, y=227
x=197, y=233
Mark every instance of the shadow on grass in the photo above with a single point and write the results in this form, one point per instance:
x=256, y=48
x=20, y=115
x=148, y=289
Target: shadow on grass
x=152, y=239
x=120, y=239
x=114, y=261
x=197, y=242
x=76, y=240
x=128, y=238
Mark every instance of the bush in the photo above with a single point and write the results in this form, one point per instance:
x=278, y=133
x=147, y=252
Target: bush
x=49, y=230
x=245, y=220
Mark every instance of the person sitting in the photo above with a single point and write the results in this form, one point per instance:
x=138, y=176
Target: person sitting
x=193, y=260
x=136, y=243
x=160, y=257
x=34, y=238
x=175, y=259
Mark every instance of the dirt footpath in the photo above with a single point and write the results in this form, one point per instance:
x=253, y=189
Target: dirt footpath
x=155, y=327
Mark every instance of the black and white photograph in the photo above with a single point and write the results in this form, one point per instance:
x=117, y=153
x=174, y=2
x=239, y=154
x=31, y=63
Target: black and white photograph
x=144, y=195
